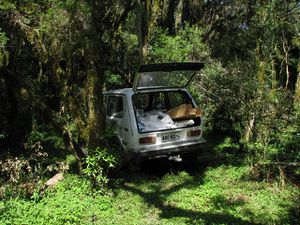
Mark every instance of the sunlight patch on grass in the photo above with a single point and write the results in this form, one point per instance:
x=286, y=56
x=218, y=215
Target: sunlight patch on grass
x=221, y=195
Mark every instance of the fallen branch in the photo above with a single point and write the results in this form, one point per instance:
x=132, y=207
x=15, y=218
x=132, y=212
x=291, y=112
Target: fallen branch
x=54, y=180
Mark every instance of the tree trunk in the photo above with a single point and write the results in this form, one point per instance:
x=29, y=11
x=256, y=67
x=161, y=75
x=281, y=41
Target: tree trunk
x=297, y=87
x=273, y=75
x=178, y=14
x=171, y=16
x=95, y=102
x=286, y=50
x=139, y=28
x=249, y=127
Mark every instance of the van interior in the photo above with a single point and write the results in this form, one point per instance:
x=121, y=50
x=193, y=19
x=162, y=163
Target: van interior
x=164, y=110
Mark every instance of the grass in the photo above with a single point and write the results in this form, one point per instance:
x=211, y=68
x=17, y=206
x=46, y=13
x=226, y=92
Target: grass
x=219, y=195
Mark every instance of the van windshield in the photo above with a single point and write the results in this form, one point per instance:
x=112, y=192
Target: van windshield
x=163, y=110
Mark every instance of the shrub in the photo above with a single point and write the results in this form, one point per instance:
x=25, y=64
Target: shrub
x=43, y=156
x=227, y=96
x=98, y=163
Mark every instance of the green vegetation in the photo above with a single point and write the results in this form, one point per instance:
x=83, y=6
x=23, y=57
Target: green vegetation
x=98, y=162
x=220, y=195
x=56, y=58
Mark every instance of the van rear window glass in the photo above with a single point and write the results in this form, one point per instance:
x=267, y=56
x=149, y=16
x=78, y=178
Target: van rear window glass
x=160, y=100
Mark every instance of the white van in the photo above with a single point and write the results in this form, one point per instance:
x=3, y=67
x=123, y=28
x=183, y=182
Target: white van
x=157, y=117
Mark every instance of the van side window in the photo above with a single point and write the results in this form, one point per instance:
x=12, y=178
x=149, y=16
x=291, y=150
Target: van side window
x=115, y=106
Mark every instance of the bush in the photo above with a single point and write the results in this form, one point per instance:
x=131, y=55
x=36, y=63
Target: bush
x=227, y=96
x=98, y=163
x=42, y=157
x=255, y=114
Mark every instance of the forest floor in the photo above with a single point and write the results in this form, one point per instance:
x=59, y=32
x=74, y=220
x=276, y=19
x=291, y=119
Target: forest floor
x=162, y=192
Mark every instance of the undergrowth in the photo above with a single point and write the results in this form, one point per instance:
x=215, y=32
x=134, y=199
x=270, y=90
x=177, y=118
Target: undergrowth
x=72, y=201
x=217, y=195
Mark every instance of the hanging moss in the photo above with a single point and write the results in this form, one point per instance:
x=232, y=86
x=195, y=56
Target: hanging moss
x=4, y=58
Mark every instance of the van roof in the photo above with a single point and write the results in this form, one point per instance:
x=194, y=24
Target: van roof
x=123, y=91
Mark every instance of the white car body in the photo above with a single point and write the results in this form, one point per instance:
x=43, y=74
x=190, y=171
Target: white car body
x=127, y=111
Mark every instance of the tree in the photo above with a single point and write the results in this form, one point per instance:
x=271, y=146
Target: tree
x=59, y=55
x=274, y=26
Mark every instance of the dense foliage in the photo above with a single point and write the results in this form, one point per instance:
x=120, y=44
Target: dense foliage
x=57, y=56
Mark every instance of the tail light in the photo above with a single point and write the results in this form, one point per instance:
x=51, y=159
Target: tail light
x=147, y=140
x=193, y=133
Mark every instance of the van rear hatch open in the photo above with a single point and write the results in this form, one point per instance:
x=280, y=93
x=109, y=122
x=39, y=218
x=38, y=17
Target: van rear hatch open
x=161, y=101
x=165, y=75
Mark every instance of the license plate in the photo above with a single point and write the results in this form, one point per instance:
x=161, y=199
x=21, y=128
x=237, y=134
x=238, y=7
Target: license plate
x=170, y=137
